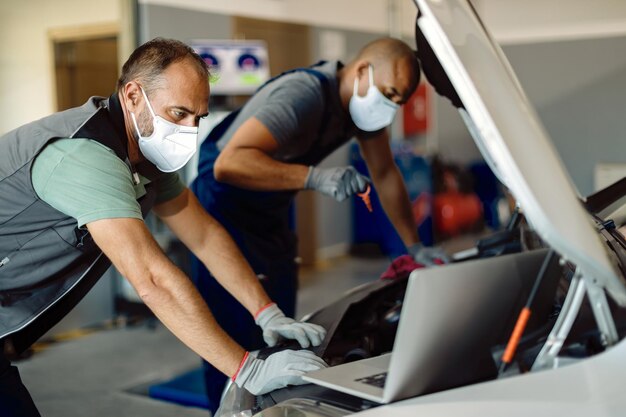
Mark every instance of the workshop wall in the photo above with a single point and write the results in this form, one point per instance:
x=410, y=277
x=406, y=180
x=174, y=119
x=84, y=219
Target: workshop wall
x=26, y=76
x=578, y=89
x=373, y=16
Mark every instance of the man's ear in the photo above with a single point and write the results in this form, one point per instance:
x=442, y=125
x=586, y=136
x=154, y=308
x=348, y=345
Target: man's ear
x=131, y=95
x=361, y=68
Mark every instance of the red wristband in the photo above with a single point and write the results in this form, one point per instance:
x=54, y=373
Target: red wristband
x=240, y=366
x=263, y=308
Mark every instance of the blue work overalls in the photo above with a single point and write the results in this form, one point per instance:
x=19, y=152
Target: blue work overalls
x=259, y=224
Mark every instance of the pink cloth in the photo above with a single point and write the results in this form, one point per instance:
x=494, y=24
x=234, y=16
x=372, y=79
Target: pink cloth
x=400, y=267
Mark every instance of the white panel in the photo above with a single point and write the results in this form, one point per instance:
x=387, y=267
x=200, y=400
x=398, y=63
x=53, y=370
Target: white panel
x=607, y=174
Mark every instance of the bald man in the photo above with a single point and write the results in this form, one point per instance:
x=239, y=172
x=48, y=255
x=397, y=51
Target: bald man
x=254, y=162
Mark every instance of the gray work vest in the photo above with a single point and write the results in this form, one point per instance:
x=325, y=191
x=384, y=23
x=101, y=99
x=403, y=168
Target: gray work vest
x=47, y=264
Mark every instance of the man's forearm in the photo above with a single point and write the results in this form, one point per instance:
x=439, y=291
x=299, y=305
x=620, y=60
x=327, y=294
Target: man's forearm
x=166, y=290
x=177, y=304
x=247, y=162
x=252, y=169
x=222, y=257
x=212, y=244
x=395, y=201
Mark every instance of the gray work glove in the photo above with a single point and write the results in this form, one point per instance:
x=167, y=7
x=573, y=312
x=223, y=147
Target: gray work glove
x=276, y=325
x=428, y=256
x=278, y=370
x=338, y=183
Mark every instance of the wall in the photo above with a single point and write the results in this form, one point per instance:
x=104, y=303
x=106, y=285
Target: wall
x=26, y=83
x=532, y=21
x=344, y=14
x=570, y=61
x=179, y=23
x=578, y=89
x=511, y=21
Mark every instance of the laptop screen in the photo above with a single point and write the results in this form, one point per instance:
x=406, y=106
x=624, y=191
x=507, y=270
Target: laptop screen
x=454, y=315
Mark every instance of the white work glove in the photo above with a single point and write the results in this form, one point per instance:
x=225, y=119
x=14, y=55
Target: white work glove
x=428, y=255
x=338, y=183
x=276, y=325
x=280, y=369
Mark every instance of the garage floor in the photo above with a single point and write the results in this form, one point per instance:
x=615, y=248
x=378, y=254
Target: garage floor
x=95, y=374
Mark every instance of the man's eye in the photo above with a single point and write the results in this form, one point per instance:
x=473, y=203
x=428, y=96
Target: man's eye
x=178, y=114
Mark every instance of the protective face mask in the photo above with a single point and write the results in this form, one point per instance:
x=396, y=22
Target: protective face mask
x=373, y=111
x=170, y=146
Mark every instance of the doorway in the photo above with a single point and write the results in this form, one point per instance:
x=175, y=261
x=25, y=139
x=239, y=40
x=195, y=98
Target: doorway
x=85, y=65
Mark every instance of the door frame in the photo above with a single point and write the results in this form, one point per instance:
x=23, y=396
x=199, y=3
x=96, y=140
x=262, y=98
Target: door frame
x=77, y=33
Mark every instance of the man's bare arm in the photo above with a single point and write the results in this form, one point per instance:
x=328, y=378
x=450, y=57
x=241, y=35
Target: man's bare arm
x=390, y=186
x=246, y=162
x=212, y=244
x=165, y=290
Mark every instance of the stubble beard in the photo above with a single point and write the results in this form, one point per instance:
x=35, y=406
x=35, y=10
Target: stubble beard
x=144, y=122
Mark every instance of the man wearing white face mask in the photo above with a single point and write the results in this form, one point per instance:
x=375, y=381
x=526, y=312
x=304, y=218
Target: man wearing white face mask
x=75, y=187
x=254, y=162
x=170, y=146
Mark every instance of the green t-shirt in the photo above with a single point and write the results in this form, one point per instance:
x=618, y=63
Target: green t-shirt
x=87, y=181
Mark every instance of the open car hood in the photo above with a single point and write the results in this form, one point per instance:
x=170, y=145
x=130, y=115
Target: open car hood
x=463, y=63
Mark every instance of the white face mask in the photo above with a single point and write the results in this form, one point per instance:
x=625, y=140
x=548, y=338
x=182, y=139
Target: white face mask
x=170, y=146
x=372, y=111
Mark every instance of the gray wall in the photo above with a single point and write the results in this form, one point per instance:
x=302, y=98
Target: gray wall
x=452, y=140
x=578, y=89
x=181, y=24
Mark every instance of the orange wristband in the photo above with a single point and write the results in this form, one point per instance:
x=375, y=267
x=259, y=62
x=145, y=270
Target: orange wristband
x=240, y=366
x=263, y=308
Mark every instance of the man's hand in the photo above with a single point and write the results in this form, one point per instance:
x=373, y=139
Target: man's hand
x=276, y=325
x=338, y=183
x=428, y=255
x=284, y=368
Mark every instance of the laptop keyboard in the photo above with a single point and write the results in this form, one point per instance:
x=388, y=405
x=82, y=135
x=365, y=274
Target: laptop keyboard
x=377, y=380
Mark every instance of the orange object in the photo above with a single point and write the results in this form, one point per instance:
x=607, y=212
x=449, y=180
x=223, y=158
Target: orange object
x=454, y=212
x=365, y=196
x=522, y=320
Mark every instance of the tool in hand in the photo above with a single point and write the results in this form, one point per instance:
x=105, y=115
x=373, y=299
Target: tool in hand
x=365, y=196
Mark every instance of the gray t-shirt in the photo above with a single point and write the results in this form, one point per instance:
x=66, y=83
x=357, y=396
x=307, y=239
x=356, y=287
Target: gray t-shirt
x=293, y=108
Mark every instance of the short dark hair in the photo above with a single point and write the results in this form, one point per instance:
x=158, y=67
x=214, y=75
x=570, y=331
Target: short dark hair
x=149, y=60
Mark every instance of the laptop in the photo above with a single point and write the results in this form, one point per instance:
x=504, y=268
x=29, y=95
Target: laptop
x=451, y=318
